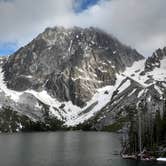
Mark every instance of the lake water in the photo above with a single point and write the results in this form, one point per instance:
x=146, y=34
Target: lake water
x=63, y=149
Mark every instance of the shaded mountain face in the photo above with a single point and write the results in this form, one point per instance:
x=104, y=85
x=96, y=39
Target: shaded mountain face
x=70, y=64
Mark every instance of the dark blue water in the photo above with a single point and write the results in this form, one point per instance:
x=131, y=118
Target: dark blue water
x=63, y=149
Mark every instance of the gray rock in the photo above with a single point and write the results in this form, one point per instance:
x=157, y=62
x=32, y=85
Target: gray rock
x=69, y=63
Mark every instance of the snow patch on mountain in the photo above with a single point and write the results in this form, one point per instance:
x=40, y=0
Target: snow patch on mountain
x=134, y=72
x=158, y=74
x=140, y=93
x=100, y=99
x=158, y=89
x=72, y=114
x=10, y=93
x=133, y=91
x=124, y=86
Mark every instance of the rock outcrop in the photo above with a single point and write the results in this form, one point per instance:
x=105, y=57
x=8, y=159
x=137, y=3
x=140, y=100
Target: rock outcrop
x=154, y=61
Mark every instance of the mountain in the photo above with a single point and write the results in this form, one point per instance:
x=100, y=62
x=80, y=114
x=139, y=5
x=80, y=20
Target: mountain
x=145, y=83
x=77, y=61
x=79, y=78
x=64, y=73
x=140, y=96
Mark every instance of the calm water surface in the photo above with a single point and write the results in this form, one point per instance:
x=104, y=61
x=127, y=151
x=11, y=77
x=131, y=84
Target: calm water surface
x=63, y=149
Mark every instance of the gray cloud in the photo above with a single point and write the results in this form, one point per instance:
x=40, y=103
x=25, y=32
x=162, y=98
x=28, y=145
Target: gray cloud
x=139, y=23
x=20, y=20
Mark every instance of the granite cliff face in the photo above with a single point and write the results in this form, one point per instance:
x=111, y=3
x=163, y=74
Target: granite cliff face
x=70, y=64
x=79, y=77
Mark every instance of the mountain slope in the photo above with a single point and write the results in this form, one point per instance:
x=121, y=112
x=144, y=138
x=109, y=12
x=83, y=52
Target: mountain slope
x=76, y=60
x=139, y=86
x=81, y=76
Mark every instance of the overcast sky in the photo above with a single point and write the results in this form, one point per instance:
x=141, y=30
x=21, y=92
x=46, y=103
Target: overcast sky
x=138, y=23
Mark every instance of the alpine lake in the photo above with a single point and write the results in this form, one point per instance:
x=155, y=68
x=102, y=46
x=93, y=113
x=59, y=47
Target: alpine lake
x=64, y=149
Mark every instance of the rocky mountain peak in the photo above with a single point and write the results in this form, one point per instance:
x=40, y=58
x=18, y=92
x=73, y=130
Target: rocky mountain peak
x=79, y=76
x=69, y=63
x=154, y=61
